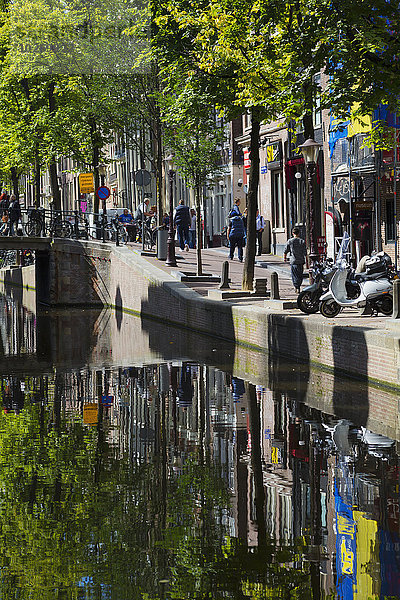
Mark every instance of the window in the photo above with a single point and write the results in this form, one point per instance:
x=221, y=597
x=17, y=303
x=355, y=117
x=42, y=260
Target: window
x=277, y=200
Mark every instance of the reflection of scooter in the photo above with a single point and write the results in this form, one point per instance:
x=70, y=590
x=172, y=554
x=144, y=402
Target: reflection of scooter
x=374, y=289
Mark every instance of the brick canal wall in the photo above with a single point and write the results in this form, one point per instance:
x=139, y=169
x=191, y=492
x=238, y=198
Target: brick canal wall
x=94, y=274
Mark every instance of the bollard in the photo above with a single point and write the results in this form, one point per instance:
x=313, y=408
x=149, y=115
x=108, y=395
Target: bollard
x=76, y=224
x=274, y=286
x=260, y=287
x=103, y=224
x=116, y=234
x=224, y=285
x=396, y=299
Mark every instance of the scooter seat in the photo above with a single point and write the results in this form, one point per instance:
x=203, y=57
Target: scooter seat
x=368, y=276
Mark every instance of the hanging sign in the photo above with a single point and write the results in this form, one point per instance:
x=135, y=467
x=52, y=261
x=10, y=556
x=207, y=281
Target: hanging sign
x=86, y=183
x=330, y=235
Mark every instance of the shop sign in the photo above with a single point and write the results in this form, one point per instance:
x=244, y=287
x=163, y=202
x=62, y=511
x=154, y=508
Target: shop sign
x=330, y=235
x=247, y=161
x=274, y=152
x=321, y=244
x=363, y=205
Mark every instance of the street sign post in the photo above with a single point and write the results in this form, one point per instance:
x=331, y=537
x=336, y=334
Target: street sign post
x=103, y=192
x=142, y=178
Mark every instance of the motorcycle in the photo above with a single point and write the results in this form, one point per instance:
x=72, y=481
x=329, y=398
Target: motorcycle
x=372, y=288
x=309, y=298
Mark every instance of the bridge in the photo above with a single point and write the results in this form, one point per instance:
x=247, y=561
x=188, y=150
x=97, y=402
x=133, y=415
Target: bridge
x=25, y=243
x=66, y=272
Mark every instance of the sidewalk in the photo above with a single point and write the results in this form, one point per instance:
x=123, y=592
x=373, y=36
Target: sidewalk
x=212, y=264
x=265, y=265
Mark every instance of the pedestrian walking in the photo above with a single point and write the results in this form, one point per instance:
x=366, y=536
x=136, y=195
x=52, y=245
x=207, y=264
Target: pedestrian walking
x=182, y=223
x=236, y=235
x=296, y=247
x=236, y=208
x=14, y=213
x=192, y=229
x=260, y=225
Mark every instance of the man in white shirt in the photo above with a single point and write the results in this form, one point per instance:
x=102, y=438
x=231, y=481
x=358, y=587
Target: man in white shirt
x=260, y=225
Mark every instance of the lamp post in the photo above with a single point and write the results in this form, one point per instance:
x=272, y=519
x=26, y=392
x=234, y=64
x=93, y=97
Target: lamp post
x=310, y=150
x=171, y=259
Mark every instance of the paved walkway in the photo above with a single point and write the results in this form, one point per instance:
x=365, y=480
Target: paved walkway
x=265, y=265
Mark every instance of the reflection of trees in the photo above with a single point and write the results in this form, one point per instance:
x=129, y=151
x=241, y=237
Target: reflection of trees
x=82, y=511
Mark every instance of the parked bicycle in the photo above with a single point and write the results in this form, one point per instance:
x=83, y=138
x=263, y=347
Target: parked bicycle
x=115, y=230
x=150, y=234
x=37, y=226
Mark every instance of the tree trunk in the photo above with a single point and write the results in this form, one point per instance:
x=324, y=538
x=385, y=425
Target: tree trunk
x=198, y=230
x=95, y=139
x=36, y=187
x=308, y=127
x=256, y=463
x=55, y=188
x=254, y=177
x=14, y=181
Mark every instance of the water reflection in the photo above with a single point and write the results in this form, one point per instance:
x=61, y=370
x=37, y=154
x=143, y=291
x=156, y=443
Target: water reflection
x=177, y=481
x=181, y=479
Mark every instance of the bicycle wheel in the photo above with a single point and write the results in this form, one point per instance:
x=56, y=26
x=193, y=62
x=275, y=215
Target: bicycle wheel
x=62, y=229
x=122, y=235
x=148, y=238
x=109, y=233
x=33, y=228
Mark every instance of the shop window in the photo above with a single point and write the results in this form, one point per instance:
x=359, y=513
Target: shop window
x=277, y=200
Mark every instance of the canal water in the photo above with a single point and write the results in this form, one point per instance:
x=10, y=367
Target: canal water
x=138, y=462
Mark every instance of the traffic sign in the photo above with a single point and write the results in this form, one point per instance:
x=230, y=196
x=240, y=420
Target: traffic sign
x=86, y=183
x=142, y=177
x=103, y=192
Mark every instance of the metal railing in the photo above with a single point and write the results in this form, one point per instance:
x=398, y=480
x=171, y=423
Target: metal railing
x=40, y=222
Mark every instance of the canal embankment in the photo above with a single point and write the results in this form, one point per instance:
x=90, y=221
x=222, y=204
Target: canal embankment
x=119, y=277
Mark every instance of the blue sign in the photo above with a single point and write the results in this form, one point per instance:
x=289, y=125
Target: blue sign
x=107, y=400
x=103, y=192
x=346, y=548
x=264, y=169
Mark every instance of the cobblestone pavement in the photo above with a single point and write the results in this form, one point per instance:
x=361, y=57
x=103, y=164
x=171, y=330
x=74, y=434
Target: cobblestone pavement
x=265, y=265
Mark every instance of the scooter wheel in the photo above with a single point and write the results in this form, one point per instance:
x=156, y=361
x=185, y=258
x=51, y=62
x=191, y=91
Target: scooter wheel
x=385, y=306
x=329, y=308
x=308, y=302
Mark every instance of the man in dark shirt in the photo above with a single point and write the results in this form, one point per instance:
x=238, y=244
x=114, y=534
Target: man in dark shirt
x=296, y=247
x=182, y=224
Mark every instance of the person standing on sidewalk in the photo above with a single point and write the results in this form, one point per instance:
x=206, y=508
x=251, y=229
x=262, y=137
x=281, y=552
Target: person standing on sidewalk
x=260, y=224
x=14, y=213
x=296, y=247
x=182, y=224
x=192, y=229
x=236, y=235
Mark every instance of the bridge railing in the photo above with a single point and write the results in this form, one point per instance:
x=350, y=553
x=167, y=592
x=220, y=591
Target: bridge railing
x=40, y=222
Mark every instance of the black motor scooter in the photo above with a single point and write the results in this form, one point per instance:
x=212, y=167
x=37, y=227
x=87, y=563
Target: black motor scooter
x=322, y=273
